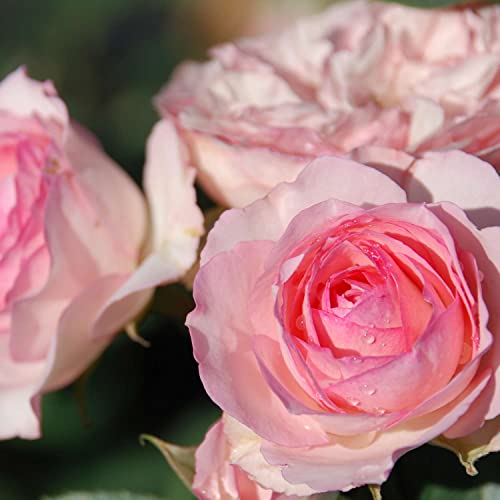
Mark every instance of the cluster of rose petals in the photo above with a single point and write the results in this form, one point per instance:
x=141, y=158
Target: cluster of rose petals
x=359, y=74
x=79, y=253
x=341, y=321
x=216, y=477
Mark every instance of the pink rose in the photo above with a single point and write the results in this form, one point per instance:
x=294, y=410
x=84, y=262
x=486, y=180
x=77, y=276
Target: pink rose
x=359, y=74
x=79, y=256
x=341, y=322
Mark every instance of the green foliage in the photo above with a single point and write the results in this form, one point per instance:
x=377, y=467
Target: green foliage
x=484, y=492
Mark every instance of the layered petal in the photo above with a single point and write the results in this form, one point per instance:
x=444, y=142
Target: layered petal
x=328, y=177
x=220, y=351
x=459, y=178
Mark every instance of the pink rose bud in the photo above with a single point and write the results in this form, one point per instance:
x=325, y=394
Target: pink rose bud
x=340, y=321
x=360, y=74
x=79, y=257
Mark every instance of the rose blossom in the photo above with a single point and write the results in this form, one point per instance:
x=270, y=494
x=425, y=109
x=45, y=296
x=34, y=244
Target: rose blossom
x=359, y=74
x=341, y=322
x=79, y=256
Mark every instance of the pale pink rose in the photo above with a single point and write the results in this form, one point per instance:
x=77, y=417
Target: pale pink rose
x=360, y=74
x=340, y=321
x=79, y=256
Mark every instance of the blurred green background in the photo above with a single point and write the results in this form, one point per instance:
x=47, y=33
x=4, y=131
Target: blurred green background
x=107, y=59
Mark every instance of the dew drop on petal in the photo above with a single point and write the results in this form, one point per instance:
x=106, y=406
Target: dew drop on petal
x=481, y=276
x=356, y=360
x=380, y=411
x=366, y=389
x=307, y=427
x=353, y=401
x=368, y=338
x=300, y=323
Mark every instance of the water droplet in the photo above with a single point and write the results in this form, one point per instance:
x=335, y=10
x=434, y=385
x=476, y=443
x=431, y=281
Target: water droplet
x=307, y=427
x=353, y=401
x=481, y=276
x=300, y=323
x=356, y=360
x=384, y=344
x=376, y=245
x=366, y=389
x=380, y=411
x=368, y=338
x=348, y=224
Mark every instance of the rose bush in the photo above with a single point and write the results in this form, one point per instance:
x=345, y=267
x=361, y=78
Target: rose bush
x=360, y=74
x=79, y=255
x=341, y=321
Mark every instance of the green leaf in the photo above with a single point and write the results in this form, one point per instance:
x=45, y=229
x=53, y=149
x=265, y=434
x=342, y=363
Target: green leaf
x=489, y=491
x=375, y=491
x=180, y=458
x=474, y=446
x=102, y=495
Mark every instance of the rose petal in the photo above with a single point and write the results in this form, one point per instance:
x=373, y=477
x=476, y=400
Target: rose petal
x=108, y=190
x=245, y=452
x=76, y=347
x=463, y=179
x=22, y=96
x=73, y=235
x=345, y=465
x=220, y=351
x=19, y=382
x=259, y=169
x=177, y=222
x=360, y=185
x=484, y=246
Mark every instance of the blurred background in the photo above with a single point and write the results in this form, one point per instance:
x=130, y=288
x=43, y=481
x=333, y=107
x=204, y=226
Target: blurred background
x=108, y=58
